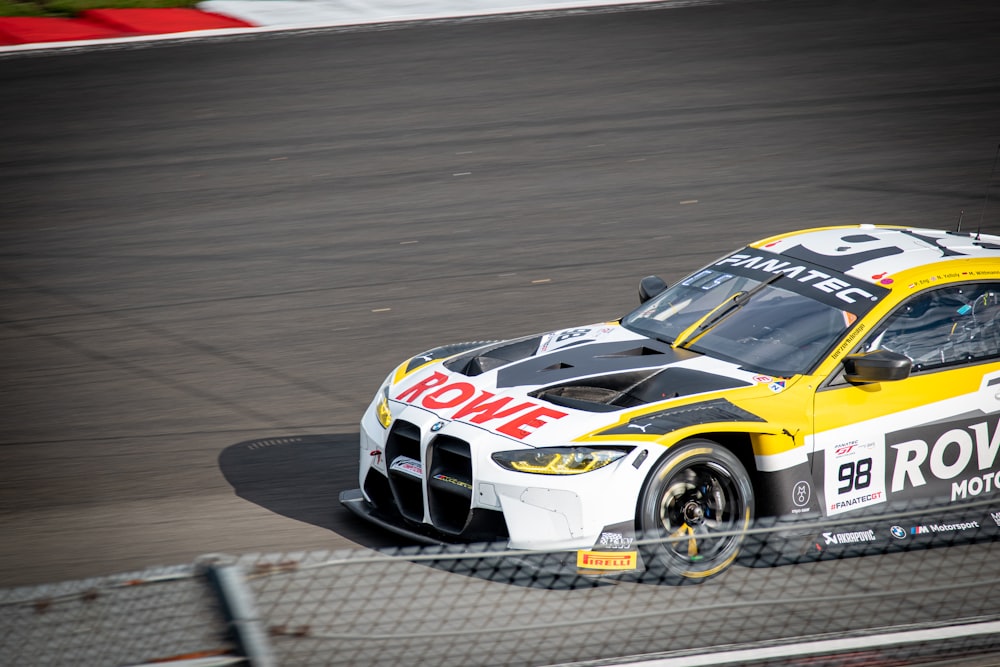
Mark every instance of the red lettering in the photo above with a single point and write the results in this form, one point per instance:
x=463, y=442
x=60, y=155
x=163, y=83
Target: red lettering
x=413, y=392
x=523, y=426
x=436, y=401
x=482, y=408
x=492, y=410
x=603, y=560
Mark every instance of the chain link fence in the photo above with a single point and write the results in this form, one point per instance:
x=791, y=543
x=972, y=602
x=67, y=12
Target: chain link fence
x=159, y=614
x=922, y=590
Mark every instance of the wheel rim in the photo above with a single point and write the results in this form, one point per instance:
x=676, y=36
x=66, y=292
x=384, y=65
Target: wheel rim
x=700, y=510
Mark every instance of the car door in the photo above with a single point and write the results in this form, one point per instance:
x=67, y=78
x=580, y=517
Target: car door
x=934, y=434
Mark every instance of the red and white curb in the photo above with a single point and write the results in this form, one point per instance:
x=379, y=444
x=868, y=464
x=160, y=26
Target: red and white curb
x=230, y=17
x=105, y=25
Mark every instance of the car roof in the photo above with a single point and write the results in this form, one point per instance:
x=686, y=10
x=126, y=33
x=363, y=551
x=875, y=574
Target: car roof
x=874, y=253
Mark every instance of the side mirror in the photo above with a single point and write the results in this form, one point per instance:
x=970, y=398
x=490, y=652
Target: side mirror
x=649, y=287
x=877, y=366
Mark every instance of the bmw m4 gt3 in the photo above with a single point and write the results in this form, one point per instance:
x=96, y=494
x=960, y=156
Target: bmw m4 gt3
x=822, y=374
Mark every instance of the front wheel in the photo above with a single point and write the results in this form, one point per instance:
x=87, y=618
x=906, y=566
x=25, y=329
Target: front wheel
x=693, y=512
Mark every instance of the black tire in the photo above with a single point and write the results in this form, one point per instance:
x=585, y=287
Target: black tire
x=700, y=490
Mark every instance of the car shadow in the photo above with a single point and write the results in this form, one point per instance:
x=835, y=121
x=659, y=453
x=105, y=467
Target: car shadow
x=301, y=477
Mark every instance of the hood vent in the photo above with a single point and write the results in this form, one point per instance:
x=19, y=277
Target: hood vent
x=558, y=367
x=642, y=351
x=483, y=361
x=607, y=393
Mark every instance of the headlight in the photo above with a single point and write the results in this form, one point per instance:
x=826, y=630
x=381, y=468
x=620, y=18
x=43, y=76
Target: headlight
x=382, y=412
x=558, y=460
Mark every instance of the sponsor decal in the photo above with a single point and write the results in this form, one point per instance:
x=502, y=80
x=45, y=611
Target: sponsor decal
x=855, y=537
x=777, y=386
x=762, y=379
x=481, y=407
x=975, y=486
x=571, y=333
x=919, y=530
x=607, y=560
x=377, y=455
x=615, y=541
x=839, y=290
x=852, y=448
x=898, y=532
x=996, y=517
x=882, y=279
x=947, y=527
x=849, y=341
x=555, y=340
x=854, y=475
x=845, y=448
x=558, y=339
x=407, y=465
x=452, y=480
x=641, y=427
x=860, y=501
x=801, y=493
x=966, y=450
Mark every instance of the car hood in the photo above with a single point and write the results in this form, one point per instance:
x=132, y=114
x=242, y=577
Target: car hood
x=559, y=386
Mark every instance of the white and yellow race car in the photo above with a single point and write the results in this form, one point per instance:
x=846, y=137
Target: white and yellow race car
x=815, y=375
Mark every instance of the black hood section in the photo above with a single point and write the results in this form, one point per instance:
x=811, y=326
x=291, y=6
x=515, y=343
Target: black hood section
x=503, y=353
x=606, y=393
x=590, y=359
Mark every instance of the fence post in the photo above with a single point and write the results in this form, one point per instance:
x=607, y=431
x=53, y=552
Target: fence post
x=241, y=614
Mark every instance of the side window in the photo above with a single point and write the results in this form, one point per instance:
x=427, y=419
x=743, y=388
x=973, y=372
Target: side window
x=944, y=327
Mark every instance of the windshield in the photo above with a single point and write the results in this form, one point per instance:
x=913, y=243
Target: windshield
x=758, y=324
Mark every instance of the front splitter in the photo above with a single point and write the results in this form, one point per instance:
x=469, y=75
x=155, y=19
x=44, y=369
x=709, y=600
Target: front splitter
x=354, y=500
x=533, y=568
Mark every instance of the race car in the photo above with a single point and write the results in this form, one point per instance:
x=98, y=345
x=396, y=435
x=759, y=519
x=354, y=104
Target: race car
x=815, y=375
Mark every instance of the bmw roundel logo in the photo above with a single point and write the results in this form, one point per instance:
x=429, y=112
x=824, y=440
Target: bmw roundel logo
x=897, y=532
x=437, y=426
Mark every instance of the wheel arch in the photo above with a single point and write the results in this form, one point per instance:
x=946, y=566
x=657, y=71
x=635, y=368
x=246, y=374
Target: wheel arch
x=739, y=443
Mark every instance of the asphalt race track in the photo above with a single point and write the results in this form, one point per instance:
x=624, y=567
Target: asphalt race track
x=212, y=252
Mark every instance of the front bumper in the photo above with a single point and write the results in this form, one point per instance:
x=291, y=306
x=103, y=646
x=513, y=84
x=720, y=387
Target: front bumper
x=547, y=568
x=435, y=480
x=355, y=501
